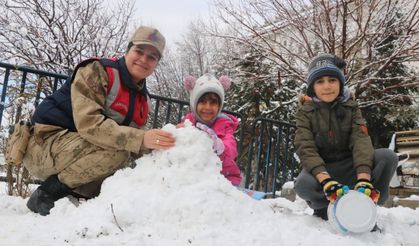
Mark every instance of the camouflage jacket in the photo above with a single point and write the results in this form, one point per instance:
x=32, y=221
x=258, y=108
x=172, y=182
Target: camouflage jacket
x=88, y=102
x=330, y=132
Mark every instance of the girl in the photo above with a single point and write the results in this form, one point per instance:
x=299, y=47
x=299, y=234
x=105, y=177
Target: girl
x=206, y=102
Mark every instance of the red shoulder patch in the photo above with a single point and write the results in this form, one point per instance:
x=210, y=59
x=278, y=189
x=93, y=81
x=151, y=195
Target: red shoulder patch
x=364, y=129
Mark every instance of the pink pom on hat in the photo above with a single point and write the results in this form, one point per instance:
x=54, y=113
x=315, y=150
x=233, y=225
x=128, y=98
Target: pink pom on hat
x=189, y=82
x=225, y=82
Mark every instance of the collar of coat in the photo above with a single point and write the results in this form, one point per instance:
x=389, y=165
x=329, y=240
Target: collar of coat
x=127, y=80
x=310, y=103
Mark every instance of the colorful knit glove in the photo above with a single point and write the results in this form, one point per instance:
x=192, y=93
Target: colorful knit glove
x=218, y=144
x=333, y=190
x=365, y=186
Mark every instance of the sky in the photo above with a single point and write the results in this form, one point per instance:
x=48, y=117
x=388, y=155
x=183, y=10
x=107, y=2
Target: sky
x=178, y=197
x=171, y=17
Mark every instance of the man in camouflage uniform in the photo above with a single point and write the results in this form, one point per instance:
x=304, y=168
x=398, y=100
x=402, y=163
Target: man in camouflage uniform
x=94, y=124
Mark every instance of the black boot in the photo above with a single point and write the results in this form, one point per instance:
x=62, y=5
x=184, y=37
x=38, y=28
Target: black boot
x=321, y=213
x=42, y=199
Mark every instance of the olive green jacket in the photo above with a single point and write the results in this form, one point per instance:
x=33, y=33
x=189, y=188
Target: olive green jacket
x=322, y=137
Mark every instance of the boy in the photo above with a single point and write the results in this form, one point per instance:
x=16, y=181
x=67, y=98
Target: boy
x=333, y=144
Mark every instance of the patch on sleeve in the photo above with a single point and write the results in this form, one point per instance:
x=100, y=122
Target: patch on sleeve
x=364, y=129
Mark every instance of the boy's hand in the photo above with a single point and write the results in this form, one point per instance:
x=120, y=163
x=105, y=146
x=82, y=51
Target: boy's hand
x=365, y=186
x=333, y=189
x=218, y=144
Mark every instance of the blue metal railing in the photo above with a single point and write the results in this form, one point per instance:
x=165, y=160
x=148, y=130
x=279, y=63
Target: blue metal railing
x=270, y=161
x=8, y=69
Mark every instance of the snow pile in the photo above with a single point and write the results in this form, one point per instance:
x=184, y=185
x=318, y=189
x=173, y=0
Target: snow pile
x=179, y=197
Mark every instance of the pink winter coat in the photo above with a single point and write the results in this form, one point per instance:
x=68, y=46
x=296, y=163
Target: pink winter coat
x=224, y=126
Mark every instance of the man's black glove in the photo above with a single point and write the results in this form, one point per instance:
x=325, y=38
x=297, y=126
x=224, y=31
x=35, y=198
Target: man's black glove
x=333, y=189
x=365, y=186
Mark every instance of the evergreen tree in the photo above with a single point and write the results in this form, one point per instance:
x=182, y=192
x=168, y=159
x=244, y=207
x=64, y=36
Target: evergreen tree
x=259, y=91
x=392, y=113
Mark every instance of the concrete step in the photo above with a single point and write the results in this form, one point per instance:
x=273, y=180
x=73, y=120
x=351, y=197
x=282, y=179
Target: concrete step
x=401, y=197
x=413, y=204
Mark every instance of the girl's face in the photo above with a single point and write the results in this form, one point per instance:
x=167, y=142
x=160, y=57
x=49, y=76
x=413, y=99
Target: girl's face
x=327, y=88
x=208, y=106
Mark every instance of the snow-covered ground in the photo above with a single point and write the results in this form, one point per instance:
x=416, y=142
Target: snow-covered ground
x=178, y=197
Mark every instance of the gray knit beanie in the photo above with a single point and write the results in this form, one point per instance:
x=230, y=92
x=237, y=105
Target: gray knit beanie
x=325, y=65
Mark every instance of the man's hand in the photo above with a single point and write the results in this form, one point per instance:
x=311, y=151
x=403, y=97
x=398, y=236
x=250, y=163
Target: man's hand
x=365, y=186
x=158, y=139
x=218, y=144
x=333, y=189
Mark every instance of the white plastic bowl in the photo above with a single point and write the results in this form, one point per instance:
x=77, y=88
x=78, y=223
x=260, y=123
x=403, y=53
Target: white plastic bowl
x=354, y=212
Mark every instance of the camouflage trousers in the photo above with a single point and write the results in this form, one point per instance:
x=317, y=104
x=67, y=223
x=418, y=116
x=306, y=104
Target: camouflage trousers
x=79, y=164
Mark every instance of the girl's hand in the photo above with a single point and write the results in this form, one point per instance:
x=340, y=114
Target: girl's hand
x=218, y=144
x=180, y=125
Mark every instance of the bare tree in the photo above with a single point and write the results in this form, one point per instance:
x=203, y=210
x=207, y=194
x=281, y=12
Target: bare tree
x=194, y=47
x=55, y=35
x=168, y=77
x=290, y=32
x=197, y=53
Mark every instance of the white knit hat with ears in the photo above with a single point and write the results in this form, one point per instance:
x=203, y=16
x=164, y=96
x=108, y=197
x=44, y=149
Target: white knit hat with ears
x=204, y=84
